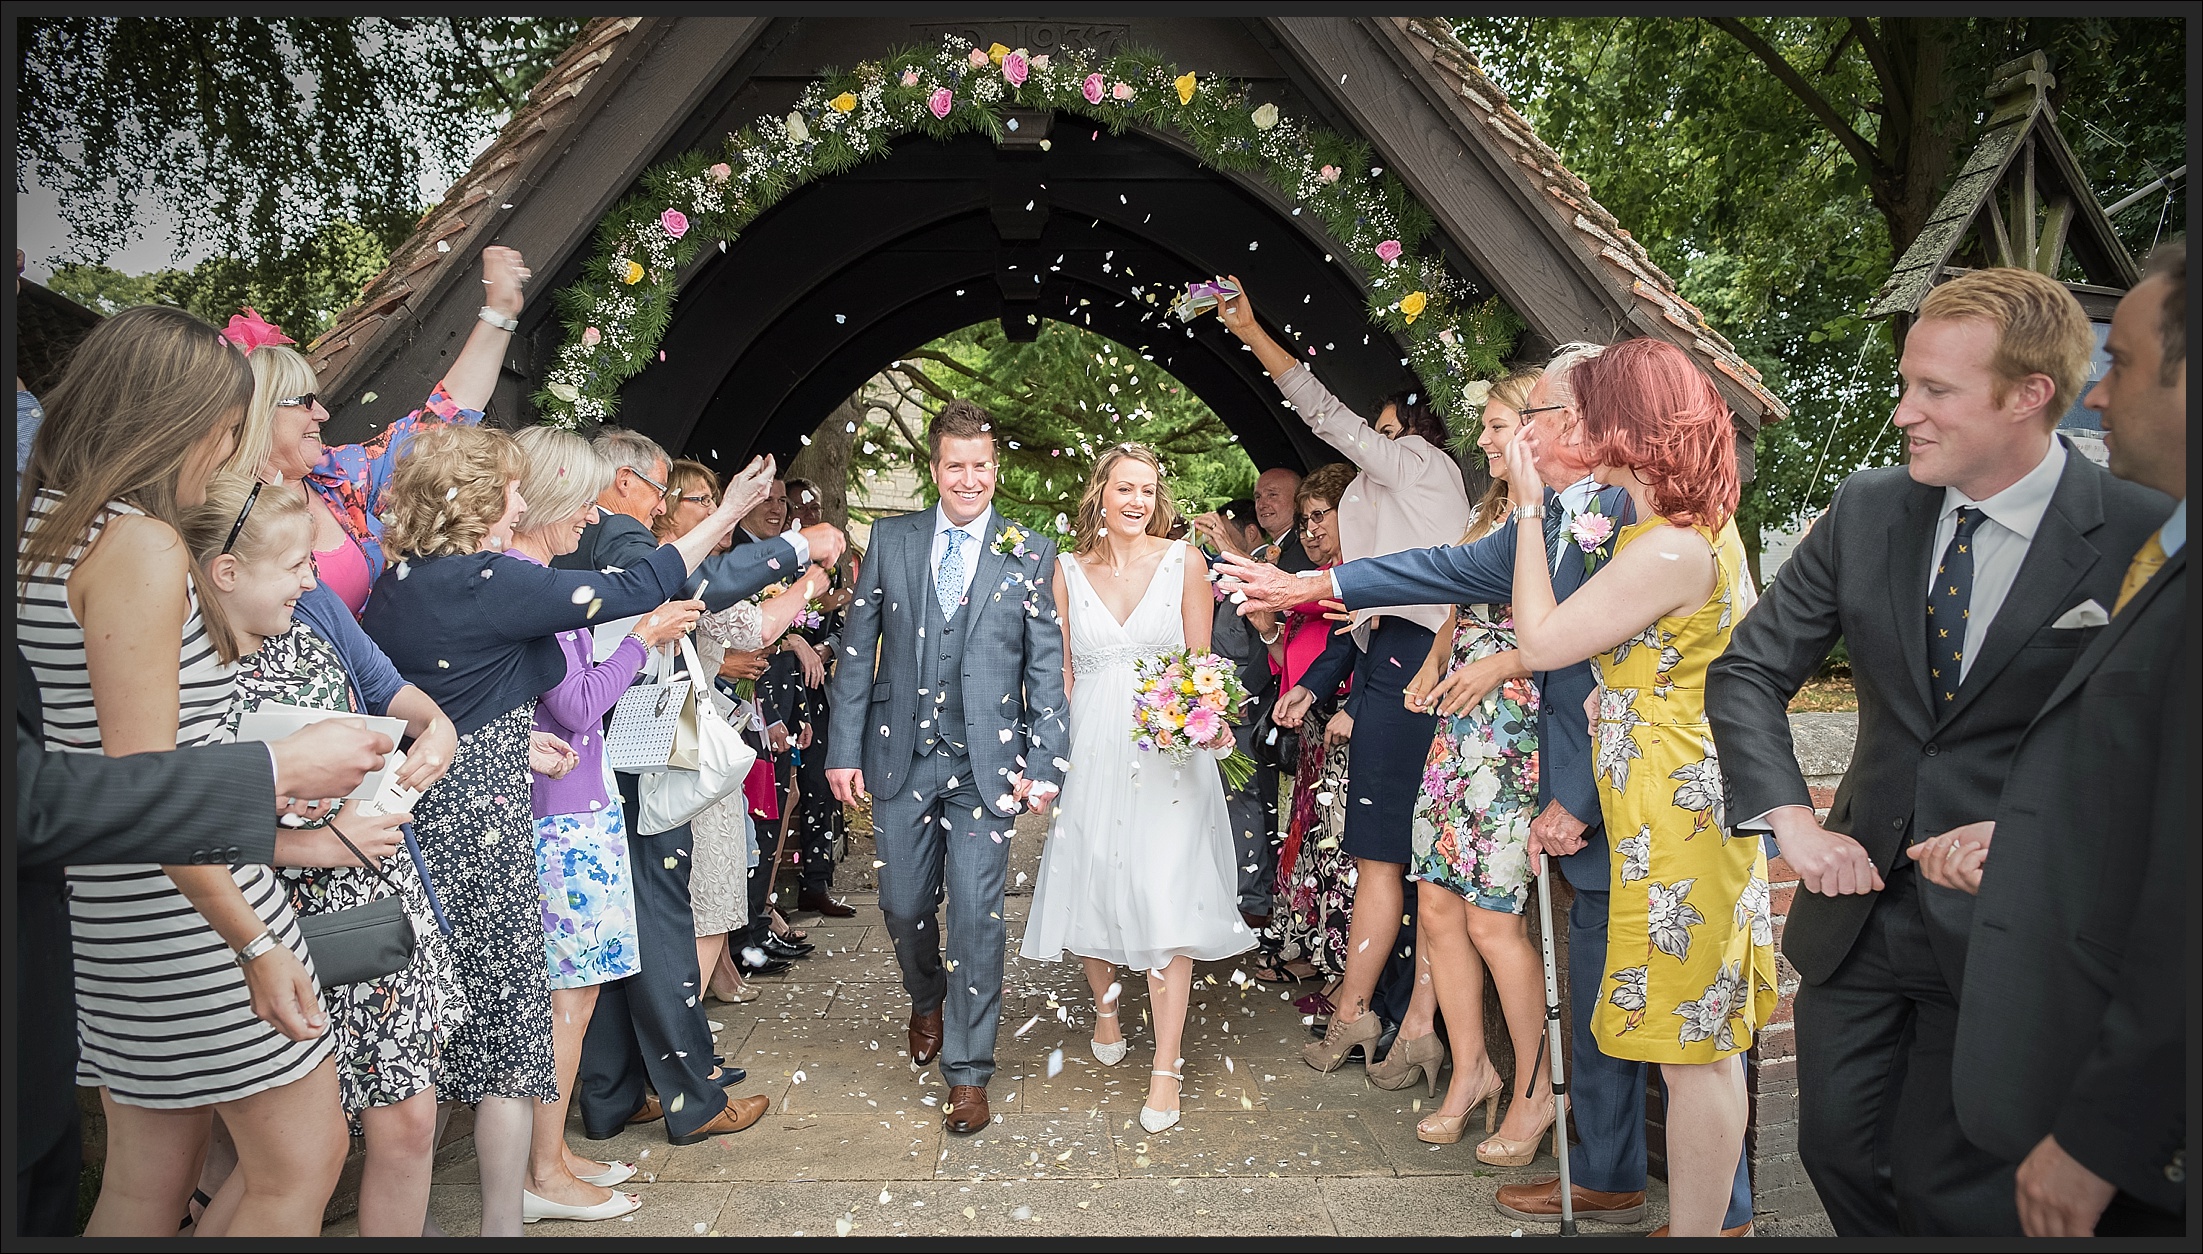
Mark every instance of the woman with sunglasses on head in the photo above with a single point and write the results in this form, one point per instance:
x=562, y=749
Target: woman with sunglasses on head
x=281, y=442
x=195, y=993
x=250, y=545
x=1409, y=495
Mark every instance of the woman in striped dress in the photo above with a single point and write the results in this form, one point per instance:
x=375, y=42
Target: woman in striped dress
x=194, y=989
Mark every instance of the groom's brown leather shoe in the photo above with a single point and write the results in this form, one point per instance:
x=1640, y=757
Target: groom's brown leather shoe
x=925, y=1036
x=966, y=1111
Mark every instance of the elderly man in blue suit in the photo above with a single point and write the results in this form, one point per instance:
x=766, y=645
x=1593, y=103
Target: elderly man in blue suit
x=1607, y=1095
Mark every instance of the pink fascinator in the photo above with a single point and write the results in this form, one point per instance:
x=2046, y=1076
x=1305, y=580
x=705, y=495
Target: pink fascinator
x=249, y=331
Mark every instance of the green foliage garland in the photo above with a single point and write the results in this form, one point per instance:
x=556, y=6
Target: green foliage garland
x=617, y=311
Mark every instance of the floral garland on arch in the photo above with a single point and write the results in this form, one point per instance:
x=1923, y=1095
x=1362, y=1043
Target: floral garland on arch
x=617, y=311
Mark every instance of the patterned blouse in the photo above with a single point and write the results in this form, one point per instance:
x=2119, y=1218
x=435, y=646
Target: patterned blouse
x=351, y=477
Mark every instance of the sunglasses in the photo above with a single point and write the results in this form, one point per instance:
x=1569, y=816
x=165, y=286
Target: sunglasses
x=304, y=400
x=237, y=528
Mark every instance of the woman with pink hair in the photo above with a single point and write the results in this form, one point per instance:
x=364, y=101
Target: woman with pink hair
x=1690, y=973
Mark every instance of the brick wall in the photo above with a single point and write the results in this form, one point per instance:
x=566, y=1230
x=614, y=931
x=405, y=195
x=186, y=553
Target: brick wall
x=1780, y=1189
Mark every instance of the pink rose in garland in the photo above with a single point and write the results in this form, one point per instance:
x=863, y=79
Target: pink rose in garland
x=674, y=222
x=910, y=78
x=1329, y=174
x=1122, y=91
x=1389, y=251
x=942, y=100
x=721, y=172
x=591, y=337
x=1015, y=67
x=1092, y=89
x=979, y=58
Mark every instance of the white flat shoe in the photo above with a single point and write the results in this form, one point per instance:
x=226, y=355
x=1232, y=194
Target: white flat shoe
x=1113, y=1053
x=613, y=1173
x=1160, y=1120
x=533, y=1208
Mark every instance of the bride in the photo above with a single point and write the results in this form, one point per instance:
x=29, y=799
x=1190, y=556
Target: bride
x=1137, y=871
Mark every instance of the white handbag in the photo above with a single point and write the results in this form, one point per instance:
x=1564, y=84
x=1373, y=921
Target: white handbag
x=672, y=795
x=645, y=722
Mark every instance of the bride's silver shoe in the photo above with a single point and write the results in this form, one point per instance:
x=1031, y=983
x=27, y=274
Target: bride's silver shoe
x=1162, y=1120
x=1113, y=1053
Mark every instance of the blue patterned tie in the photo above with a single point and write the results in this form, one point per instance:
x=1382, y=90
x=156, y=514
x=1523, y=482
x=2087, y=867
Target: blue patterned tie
x=1556, y=518
x=948, y=584
x=1948, y=599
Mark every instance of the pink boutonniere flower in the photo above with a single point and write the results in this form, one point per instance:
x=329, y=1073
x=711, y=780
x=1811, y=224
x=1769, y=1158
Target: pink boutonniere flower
x=1591, y=530
x=674, y=222
x=942, y=100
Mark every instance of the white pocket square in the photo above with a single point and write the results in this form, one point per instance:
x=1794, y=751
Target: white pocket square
x=2086, y=614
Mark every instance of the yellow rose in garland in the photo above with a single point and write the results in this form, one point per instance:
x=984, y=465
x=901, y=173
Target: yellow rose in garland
x=632, y=275
x=844, y=102
x=1412, y=306
x=1186, y=86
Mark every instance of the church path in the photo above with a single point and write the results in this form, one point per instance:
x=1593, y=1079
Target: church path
x=1266, y=1147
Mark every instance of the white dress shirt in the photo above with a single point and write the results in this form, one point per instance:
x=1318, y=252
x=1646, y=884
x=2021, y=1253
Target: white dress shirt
x=2174, y=535
x=2000, y=542
x=1573, y=499
x=973, y=543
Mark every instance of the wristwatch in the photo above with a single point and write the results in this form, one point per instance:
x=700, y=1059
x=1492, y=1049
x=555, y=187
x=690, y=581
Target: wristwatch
x=255, y=947
x=498, y=320
x=1524, y=513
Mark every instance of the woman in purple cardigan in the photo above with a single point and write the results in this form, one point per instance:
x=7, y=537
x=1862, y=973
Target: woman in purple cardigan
x=580, y=832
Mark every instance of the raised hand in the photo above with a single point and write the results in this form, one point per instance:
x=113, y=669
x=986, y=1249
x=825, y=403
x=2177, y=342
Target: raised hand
x=827, y=543
x=1237, y=312
x=744, y=491
x=504, y=274
x=1260, y=586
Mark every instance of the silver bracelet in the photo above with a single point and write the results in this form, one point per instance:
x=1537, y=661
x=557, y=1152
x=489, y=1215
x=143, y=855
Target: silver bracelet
x=1272, y=638
x=498, y=320
x=1523, y=513
x=255, y=947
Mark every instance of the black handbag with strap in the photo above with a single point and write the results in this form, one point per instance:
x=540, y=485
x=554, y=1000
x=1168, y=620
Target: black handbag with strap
x=364, y=942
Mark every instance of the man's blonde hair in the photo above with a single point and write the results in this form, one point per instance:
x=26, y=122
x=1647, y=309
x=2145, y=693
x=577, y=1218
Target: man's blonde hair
x=2040, y=328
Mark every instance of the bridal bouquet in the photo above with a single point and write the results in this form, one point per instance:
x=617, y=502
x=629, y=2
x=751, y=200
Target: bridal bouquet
x=1183, y=701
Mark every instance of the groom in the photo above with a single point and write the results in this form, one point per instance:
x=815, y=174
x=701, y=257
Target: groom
x=948, y=708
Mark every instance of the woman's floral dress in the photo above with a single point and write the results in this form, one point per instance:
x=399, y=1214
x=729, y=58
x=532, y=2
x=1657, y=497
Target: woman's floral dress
x=1690, y=942
x=390, y=1031
x=1480, y=783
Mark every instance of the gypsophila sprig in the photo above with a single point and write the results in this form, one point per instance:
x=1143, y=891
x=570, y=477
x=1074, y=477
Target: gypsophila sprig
x=616, y=313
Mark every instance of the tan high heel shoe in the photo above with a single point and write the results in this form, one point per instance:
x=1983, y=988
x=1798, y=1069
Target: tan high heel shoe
x=1443, y=1129
x=1411, y=1056
x=1501, y=1152
x=1329, y=1054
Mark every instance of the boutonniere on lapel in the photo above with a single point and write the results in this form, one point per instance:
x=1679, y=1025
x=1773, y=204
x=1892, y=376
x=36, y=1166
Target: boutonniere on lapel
x=1591, y=531
x=1010, y=541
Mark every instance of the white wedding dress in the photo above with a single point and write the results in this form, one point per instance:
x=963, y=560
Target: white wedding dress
x=1138, y=865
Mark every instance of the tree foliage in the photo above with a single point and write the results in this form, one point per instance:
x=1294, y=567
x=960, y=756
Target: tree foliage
x=311, y=284
x=1778, y=167
x=1057, y=402
x=292, y=148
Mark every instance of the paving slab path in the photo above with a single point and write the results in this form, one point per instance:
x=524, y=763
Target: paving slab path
x=854, y=1143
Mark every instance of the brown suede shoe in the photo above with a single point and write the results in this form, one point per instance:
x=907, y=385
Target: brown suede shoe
x=966, y=1111
x=740, y=1113
x=1741, y=1230
x=649, y=1112
x=925, y=1036
x=1539, y=1202
x=823, y=904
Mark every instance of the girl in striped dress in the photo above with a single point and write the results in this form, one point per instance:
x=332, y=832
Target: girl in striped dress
x=194, y=989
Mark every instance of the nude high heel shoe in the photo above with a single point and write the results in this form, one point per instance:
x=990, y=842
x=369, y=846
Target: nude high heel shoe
x=1410, y=1057
x=1441, y=1129
x=1501, y=1152
x=1113, y=1053
x=1340, y=1039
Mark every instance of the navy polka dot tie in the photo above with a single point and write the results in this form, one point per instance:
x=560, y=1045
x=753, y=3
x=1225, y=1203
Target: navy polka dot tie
x=1948, y=599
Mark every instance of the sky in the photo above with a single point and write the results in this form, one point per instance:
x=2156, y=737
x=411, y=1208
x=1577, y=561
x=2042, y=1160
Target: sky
x=43, y=235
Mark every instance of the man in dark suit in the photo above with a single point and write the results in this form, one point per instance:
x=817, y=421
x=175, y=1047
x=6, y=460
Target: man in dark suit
x=1606, y=1095
x=1964, y=583
x=649, y=1029
x=1253, y=806
x=214, y=803
x=2072, y=1045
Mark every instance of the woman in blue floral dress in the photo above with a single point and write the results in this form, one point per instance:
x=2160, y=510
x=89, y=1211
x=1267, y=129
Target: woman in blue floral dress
x=1470, y=846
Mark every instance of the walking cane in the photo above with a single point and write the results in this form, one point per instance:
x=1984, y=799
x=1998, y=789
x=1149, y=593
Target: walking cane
x=1552, y=1043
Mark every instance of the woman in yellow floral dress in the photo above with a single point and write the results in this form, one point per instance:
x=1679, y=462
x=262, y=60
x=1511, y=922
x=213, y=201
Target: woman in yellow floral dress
x=1690, y=945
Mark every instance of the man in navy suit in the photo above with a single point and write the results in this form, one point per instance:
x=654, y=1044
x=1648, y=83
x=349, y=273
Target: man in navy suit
x=1607, y=1095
